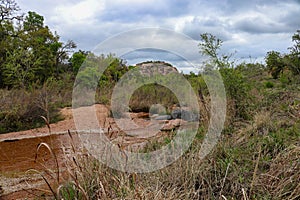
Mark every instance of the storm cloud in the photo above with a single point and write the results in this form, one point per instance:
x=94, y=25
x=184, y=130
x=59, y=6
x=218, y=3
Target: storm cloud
x=249, y=28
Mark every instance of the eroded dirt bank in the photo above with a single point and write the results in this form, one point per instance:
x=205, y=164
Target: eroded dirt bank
x=18, y=150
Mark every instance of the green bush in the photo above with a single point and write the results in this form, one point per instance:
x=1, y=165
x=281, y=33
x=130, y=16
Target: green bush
x=146, y=96
x=269, y=84
x=22, y=109
x=237, y=89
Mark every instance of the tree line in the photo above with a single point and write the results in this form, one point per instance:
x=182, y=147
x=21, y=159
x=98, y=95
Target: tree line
x=277, y=63
x=30, y=53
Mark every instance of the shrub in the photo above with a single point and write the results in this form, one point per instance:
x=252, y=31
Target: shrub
x=146, y=96
x=237, y=89
x=22, y=109
x=269, y=84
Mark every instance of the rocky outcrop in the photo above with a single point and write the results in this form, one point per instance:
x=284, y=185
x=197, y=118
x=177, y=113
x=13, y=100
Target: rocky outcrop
x=150, y=67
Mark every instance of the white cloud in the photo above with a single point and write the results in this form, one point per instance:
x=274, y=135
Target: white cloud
x=248, y=27
x=79, y=13
x=180, y=22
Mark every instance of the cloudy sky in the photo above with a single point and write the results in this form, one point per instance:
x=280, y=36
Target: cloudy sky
x=249, y=28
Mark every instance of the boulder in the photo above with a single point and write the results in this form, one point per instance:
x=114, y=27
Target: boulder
x=176, y=113
x=163, y=117
x=184, y=114
x=189, y=116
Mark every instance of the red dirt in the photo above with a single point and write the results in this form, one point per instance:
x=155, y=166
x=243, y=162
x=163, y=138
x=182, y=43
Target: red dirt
x=18, y=149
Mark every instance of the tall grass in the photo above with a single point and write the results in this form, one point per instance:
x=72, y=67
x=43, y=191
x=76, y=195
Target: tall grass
x=257, y=157
x=234, y=170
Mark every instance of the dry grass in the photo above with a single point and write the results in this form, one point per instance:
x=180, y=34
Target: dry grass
x=21, y=109
x=219, y=176
x=258, y=159
x=282, y=179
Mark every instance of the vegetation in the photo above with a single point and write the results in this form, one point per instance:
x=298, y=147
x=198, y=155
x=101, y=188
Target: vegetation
x=257, y=156
x=38, y=70
x=278, y=63
x=148, y=95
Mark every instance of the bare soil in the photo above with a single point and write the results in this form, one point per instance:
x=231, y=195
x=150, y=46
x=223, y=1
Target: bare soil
x=18, y=150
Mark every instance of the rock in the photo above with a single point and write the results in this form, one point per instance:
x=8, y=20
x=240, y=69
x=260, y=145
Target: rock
x=156, y=67
x=189, y=116
x=176, y=114
x=176, y=122
x=167, y=127
x=163, y=117
x=154, y=116
x=184, y=114
x=171, y=125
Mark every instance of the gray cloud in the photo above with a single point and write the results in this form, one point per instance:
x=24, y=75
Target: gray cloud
x=158, y=10
x=213, y=25
x=249, y=27
x=153, y=55
x=274, y=18
x=257, y=25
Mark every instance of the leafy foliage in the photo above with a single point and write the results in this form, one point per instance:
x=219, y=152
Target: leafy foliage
x=234, y=81
x=275, y=63
x=77, y=60
x=30, y=52
x=294, y=57
x=210, y=46
x=278, y=63
x=102, y=70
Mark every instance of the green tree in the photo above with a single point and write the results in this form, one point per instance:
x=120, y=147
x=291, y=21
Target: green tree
x=210, y=46
x=46, y=43
x=275, y=63
x=33, y=21
x=34, y=41
x=294, y=57
x=235, y=84
x=104, y=70
x=77, y=60
x=61, y=51
x=296, y=38
x=38, y=39
x=19, y=68
x=8, y=17
x=115, y=69
x=91, y=71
